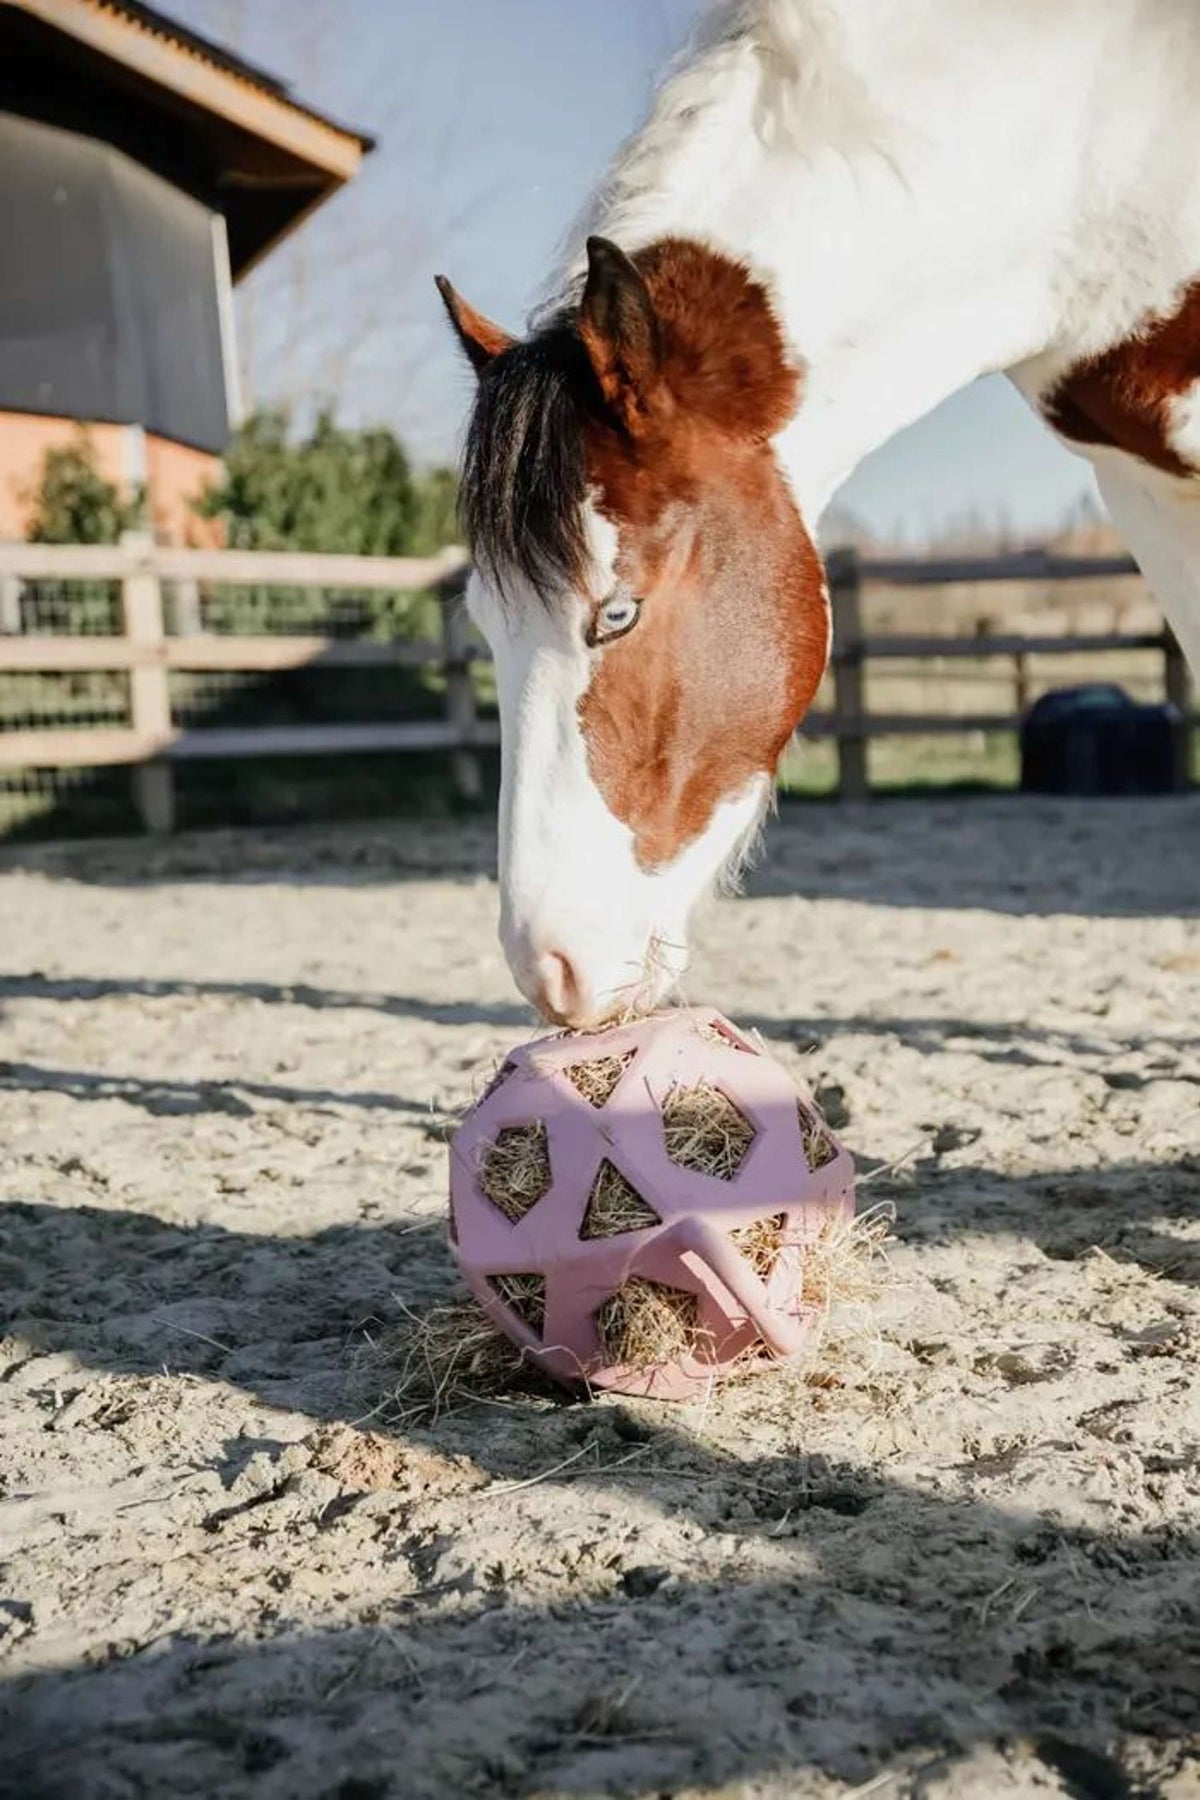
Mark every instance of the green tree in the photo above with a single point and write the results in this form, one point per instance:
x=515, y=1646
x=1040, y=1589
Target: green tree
x=336, y=490
x=437, y=512
x=74, y=504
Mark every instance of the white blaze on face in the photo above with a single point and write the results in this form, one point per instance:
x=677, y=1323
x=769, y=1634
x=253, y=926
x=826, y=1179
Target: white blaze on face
x=586, y=930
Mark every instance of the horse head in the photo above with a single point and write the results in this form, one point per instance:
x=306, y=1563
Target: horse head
x=653, y=601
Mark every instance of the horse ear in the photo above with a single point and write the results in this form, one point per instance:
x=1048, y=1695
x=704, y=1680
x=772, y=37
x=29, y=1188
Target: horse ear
x=620, y=331
x=478, y=336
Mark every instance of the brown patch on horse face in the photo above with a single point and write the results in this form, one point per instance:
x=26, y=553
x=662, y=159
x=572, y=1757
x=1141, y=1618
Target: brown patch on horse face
x=1122, y=398
x=680, y=329
x=703, y=695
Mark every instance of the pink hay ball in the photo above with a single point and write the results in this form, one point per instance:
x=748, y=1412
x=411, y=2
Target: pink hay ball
x=635, y=1207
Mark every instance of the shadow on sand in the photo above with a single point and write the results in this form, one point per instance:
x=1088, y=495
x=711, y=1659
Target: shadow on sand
x=875, y=1646
x=1009, y=854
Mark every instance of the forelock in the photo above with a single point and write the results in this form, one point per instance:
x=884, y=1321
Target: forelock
x=525, y=477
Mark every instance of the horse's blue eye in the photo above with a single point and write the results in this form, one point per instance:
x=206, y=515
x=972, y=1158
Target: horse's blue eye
x=614, y=619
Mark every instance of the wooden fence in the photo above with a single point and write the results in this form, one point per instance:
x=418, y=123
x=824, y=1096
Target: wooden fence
x=152, y=743
x=853, y=725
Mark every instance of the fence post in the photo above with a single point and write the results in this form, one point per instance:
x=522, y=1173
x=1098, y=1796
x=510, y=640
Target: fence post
x=10, y=605
x=1177, y=688
x=1021, y=682
x=465, y=766
x=189, y=618
x=149, y=689
x=845, y=589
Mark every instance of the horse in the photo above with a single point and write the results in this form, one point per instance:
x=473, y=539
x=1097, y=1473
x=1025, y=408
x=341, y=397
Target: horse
x=838, y=213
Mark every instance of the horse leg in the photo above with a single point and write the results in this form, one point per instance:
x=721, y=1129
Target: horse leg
x=1159, y=517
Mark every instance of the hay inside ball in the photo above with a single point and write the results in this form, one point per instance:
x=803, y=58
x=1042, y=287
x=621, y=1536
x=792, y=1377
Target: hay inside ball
x=649, y=1207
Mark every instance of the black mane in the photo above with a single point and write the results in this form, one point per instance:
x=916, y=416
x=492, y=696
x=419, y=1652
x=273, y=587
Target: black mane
x=524, y=476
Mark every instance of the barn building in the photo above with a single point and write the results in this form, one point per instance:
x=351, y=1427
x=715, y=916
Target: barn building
x=143, y=171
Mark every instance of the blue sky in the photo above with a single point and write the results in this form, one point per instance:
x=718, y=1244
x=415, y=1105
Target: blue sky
x=494, y=118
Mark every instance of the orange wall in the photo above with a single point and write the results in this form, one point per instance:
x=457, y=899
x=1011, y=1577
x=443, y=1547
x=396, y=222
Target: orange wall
x=174, y=473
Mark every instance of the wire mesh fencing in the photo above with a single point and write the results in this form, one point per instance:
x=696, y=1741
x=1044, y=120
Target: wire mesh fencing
x=369, y=660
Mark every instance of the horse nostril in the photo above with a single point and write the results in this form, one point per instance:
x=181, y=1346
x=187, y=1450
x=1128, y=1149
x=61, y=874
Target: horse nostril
x=560, y=994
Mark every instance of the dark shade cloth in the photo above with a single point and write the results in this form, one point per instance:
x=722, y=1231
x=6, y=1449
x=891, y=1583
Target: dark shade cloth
x=108, y=290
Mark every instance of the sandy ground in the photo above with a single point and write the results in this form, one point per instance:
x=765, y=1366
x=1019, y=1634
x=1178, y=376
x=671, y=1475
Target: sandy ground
x=960, y=1560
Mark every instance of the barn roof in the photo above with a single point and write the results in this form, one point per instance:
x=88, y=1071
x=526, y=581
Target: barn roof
x=217, y=126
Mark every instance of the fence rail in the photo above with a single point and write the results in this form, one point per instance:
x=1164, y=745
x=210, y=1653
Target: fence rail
x=280, y=568
x=853, y=725
x=145, y=651
x=149, y=654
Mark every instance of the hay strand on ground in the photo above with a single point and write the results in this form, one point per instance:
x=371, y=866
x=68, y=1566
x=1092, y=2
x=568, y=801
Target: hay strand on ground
x=446, y=1358
x=845, y=1263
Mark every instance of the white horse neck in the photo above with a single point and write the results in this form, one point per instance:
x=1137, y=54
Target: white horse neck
x=931, y=191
